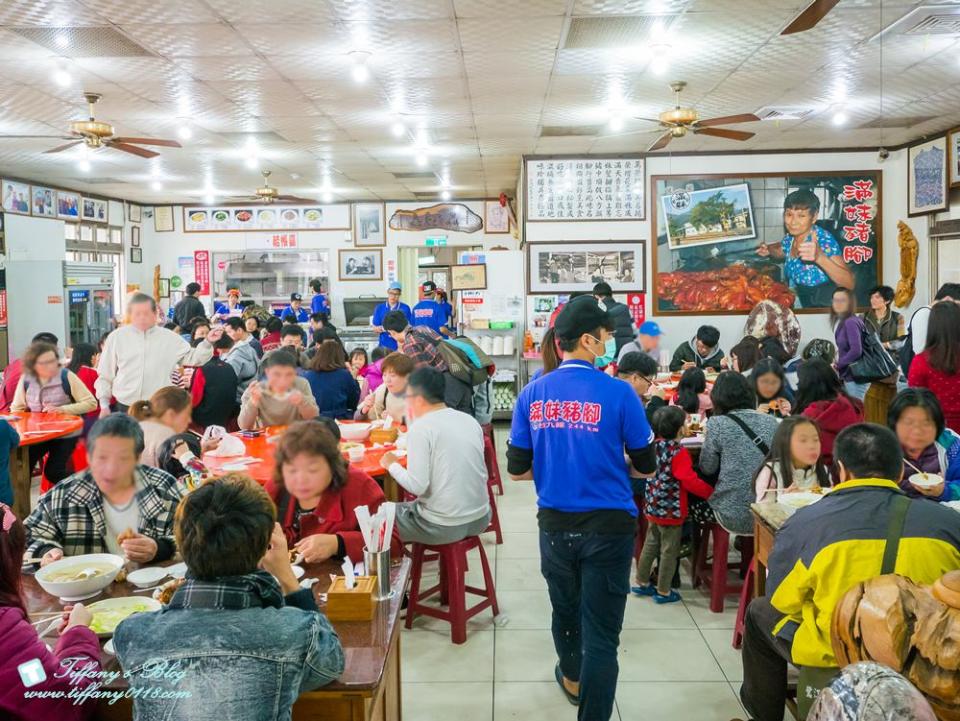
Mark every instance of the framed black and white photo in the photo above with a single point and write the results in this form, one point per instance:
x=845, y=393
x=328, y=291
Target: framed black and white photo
x=369, y=228
x=136, y=255
x=555, y=268
x=361, y=265
x=135, y=236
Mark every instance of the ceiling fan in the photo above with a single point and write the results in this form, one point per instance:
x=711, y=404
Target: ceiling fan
x=269, y=194
x=810, y=16
x=679, y=121
x=97, y=134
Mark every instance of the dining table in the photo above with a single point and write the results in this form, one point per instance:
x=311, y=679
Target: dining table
x=768, y=519
x=33, y=428
x=259, y=464
x=368, y=690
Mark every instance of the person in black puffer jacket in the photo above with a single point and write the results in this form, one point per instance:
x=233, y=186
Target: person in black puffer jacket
x=623, y=330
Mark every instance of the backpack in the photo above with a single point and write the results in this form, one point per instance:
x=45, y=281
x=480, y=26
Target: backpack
x=64, y=383
x=466, y=361
x=906, y=350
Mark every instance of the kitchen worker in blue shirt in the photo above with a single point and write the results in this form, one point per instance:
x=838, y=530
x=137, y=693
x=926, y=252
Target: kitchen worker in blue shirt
x=295, y=310
x=571, y=429
x=380, y=312
x=319, y=303
x=428, y=312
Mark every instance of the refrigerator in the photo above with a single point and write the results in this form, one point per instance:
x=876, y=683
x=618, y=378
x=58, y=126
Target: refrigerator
x=88, y=299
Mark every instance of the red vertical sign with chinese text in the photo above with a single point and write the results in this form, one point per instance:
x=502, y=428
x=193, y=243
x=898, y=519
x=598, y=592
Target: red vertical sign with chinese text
x=201, y=269
x=637, y=307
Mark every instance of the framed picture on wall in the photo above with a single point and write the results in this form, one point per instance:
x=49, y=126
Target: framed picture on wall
x=496, y=217
x=953, y=141
x=94, y=209
x=163, y=218
x=134, y=213
x=361, y=265
x=136, y=255
x=554, y=268
x=927, y=179
x=468, y=277
x=43, y=203
x=68, y=205
x=135, y=236
x=369, y=226
x=16, y=197
x=164, y=287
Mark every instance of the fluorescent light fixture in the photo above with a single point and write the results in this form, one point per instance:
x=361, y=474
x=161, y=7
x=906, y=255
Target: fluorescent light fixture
x=184, y=132
x=156, y=185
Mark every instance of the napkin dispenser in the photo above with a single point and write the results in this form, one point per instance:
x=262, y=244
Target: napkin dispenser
x=351, y=604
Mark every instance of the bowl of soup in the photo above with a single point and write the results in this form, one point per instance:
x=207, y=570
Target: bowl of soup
x=925, y=480
x=354, y=431
x=78, y=577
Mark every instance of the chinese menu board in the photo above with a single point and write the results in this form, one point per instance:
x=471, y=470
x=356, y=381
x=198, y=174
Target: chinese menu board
x=266, y=217
x=586, y=189
x=724, y=243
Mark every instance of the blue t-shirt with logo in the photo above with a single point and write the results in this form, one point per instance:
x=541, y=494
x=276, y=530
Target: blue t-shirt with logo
x=428, y=313
x=319, y=304
x=578, y=422
x=380, y=312
x=301, y=316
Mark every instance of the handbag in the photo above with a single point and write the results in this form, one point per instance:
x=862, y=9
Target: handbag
x=875, y=364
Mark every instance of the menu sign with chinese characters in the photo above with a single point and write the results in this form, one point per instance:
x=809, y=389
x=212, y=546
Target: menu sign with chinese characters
x=201, y=270
x=266, y=217
x=585, y=189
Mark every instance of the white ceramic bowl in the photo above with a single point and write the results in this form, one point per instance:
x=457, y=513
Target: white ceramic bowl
x=354, y=431
x=149, y=576
x=114, y=604
x=798, y=499
x=79, y=589
x=925, y=480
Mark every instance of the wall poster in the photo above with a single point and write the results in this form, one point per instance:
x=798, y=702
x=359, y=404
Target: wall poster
x=723, y=243
x=566, y=189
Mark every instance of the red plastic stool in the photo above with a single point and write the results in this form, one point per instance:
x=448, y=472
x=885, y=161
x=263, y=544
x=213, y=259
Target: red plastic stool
x=713, y=575
x=494, y=515
x=490, y=458
x=746, y=595
x=79, y=458
x=451, y=587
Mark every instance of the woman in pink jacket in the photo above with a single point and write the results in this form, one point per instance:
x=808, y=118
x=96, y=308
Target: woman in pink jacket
x=77, y=648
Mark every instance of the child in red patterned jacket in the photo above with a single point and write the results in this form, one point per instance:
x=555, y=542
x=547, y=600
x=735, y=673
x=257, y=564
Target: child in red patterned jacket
x=665, y=505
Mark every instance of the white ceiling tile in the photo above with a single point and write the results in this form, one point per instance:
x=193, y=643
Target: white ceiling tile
x=294, y=38
x=56, y=13
x=192, y=40
x=149, y=11
x=503, y=8
x=391, y=10
x=226, y=68
x=531, y=34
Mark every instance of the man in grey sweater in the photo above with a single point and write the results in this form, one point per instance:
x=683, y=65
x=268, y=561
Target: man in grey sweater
x=446, y=469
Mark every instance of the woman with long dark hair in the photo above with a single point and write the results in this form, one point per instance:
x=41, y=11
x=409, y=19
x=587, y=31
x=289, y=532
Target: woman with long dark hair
x=938, y=367
x=83, y=362
x=848, y=330
x=822, y=397
x=77, y=645
x=928, y=445
x=771, y=387
x=692, y=392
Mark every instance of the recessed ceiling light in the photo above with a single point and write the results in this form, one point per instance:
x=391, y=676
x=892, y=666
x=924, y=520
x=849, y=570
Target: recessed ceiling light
x=659, y=61
x=252, y=162
x=616, y=122
x=209, y=199
x=62, y=40
x=327, y=197
x=422, y=159
x=84, y=166
x=445, y=195
x=156, y=185
x=360, y=72
x=839, y=118
x=184, y=132
x=62, y=78
x=398, y=129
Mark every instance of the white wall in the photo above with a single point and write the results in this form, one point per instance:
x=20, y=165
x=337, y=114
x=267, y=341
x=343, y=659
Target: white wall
x=681, y=328
x=165, y=248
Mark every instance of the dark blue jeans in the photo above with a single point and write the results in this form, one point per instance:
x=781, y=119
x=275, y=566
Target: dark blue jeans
x=588, y=577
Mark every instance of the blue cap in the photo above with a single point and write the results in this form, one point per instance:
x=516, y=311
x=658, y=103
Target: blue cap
x=394, y=286
x=650, y=328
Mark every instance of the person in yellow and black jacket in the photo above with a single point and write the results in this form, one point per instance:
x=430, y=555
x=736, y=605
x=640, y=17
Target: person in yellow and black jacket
x=865, y=527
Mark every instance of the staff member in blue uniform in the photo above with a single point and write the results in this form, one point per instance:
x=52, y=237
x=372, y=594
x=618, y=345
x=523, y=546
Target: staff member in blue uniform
x=319, y=303
x=446, y=308
x=380, y=312
x=570, y=431
x=295, y=310
x=231, y=308
x=428, y=312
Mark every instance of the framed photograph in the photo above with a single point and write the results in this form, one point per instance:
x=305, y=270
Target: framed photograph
x=68, y=205
x=43, y=203
x=16, y=197
x=723, y=243
x=135, y=236
x=927, y=177
x=94, y=209
x=556, y=268
x=361, y=265
x=468, y=277
x=496, y=217
x=953, y=141
x=369, y=225
x=136, y=255
x=134, y=213
x=163, y=218
x=164, y=287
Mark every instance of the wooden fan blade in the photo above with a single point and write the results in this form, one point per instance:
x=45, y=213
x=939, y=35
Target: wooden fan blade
x=811, y=15
x=661, y=142
x=294, y=199
x=724, y=133
x=149, y=141
x=648, y=120
x=132, y=149
x=727, y=120
x=62, y=147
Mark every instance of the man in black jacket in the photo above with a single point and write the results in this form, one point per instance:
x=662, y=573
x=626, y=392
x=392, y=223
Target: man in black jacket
x=188, y=308
x=623, y=330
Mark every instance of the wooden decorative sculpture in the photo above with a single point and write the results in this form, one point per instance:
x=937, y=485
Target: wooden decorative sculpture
x=909, y=249
x=915, y=630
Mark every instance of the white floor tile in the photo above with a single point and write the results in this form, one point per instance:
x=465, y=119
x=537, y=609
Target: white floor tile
x=698, y=603
x=520, y=574
x=543, y=700
x=461, y=701
x=524, y=655
x=429, y=656
x=643, y=613
x=517, y=544
x=524, y=610
x=721, y=644
x=677, y=701
x=666, y=656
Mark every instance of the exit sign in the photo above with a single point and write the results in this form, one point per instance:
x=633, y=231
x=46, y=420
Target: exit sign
x=437, y=241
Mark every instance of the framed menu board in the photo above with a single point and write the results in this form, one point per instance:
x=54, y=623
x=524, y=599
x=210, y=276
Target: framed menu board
x=266, y=217
x=572, y=189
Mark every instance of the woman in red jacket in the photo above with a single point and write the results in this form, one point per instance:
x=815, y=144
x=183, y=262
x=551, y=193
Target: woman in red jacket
x=27, y=658
x=938, y=367
x=821, y=396
x=316, y=491
x=83, y=362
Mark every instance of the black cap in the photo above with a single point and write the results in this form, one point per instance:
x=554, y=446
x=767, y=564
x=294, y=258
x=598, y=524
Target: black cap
x=428, y=286
x=295, y=296
x=581, y=315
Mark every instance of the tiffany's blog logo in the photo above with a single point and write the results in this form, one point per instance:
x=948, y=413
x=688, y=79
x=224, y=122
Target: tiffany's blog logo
x=31, y=673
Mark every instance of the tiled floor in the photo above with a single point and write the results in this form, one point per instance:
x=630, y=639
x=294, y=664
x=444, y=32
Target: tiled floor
x=676, y=661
